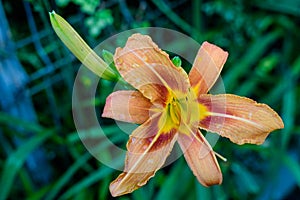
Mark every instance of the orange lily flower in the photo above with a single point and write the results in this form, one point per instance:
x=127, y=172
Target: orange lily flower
x=171, y=106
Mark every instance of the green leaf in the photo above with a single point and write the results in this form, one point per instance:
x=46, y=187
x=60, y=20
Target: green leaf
x=109, y=59
x=169, y=188
x=104, y=187
x=175, y=18
x=16, y=160
x=246, y=181
x=62, y=3
x=107, y=56
x=284, y=6
x=40, y=193
x=94, y=177
x=26, y=181
x=202, y=192
x=293, y=166
x=268, y=63
x=282, y=85
x=288, y=113
x=251, y=56
x=7, y=119
x=141, y=194
x=67, y=176
x=98, y=21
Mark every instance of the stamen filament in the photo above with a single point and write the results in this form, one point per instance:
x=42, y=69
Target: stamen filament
x=220, y=156
x=234, y=117
x=207, y=147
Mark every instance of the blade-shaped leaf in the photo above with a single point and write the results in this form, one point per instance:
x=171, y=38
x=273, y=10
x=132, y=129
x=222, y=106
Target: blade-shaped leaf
x=15, y=161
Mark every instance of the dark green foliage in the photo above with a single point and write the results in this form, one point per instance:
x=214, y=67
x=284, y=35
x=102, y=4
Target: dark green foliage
x=262, y=38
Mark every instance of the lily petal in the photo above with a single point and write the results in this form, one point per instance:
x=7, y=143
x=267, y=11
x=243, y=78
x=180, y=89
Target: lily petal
x=207, y=67
x=149, y=69
x=240, y=119
x=147, y=152
x=128, y=106
x=200, y=158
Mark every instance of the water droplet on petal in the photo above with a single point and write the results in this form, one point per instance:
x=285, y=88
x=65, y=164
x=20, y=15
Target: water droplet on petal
x=150, y=161
x=150, y=139
x=145, y=147
x=121, y=116
x=145, y=58
x=250, y=115
x=133, y=140
x=138, y=80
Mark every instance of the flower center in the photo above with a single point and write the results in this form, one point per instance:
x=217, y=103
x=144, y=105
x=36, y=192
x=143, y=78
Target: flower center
x=174, y=110
x=181, y=112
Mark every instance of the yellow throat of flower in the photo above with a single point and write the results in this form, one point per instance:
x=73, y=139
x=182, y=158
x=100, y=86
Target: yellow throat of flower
x=181, y=111
x=174, y=111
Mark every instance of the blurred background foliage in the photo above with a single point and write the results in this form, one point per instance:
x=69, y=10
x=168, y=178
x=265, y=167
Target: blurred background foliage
x=42, y=156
